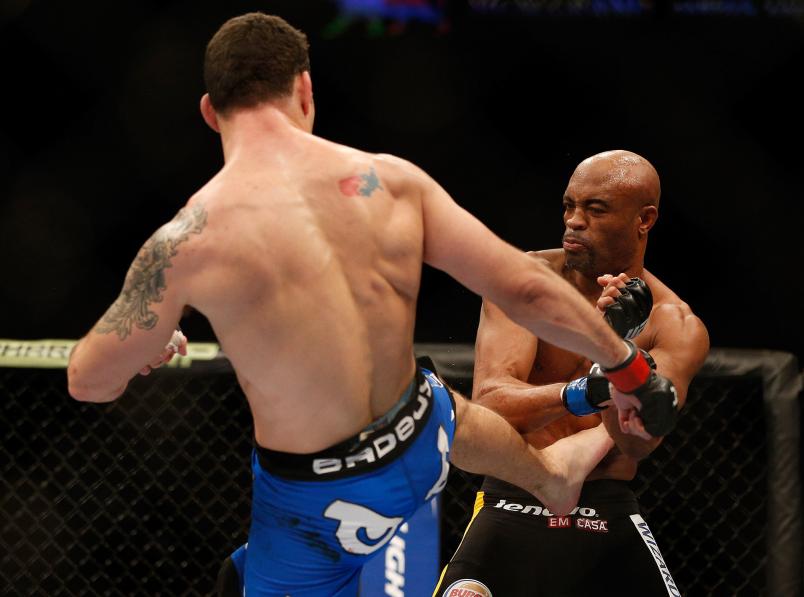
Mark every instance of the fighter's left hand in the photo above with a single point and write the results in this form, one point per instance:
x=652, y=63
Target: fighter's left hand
x=611, y=289
x=177, y=344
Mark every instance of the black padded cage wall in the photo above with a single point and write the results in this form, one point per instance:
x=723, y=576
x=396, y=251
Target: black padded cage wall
x=147, y=494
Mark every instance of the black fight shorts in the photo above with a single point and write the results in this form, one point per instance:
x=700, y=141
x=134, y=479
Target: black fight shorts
x=515, y=547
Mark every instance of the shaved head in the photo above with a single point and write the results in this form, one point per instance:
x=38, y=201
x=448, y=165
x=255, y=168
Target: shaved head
x=623, y=172
x=611, y=202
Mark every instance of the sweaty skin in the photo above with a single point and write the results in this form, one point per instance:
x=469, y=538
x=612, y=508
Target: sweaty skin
x=610, y=205
x=306, y=257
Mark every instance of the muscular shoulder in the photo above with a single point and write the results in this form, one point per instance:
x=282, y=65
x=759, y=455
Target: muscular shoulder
x=673, y=321
x=676, y=315
x=403, y=177
x=167, y=257
x=395, y=165
x=553, y=257
x=175, y=243
x=666, y=303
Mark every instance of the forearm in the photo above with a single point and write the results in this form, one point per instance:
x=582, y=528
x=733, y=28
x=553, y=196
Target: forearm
x=85, y=387
x=630, y=445
x=525, y=406
x=553, y=310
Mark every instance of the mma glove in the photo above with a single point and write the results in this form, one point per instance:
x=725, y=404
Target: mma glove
x=656, y=393
x=630, y=311
x=583, y=396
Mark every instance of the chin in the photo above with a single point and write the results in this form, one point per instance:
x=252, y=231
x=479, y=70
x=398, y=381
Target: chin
x=583, y=265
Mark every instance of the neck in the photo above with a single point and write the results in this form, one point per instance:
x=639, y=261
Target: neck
x=586, y=282
x=263, y=127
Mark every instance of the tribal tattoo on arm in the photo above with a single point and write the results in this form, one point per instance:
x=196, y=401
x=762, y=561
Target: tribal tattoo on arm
x=145, y=279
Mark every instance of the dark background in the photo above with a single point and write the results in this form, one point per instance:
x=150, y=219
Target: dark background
x=101, y=140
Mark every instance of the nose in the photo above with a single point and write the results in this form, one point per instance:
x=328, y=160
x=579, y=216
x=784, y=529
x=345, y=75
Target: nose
x=574, y=220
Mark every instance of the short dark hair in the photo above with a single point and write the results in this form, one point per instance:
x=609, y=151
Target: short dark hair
x=251, y=59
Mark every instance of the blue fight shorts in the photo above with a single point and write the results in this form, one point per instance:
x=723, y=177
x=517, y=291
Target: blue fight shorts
x=317, y=518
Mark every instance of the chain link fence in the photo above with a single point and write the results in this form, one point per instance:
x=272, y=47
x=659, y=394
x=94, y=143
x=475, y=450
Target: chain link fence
x=147, y=494
x=143, y=496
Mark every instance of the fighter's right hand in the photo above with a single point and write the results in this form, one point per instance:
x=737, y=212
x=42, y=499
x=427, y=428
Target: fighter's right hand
x=652, y=394
x=177, y=344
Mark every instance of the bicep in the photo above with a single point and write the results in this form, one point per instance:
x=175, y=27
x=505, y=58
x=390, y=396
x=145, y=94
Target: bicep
x=502, y=348
x=459, y=244
x=140, y=322
x=680, y=348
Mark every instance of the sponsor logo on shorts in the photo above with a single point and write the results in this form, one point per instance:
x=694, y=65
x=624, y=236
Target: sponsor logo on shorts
x=558, y=522
x=467, y=587
x=597, y=526
x=588, y=518
x=647, y=537
x=395, y=565
x=537, y=510
x=353, y=518
x=384, y=445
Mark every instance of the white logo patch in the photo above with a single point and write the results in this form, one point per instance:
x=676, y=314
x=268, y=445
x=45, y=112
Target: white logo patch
x=353, y=518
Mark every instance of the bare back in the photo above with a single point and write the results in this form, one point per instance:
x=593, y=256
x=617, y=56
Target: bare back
x=309, y=275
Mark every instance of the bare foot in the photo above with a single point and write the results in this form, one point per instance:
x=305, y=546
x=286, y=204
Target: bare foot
x=570, y=460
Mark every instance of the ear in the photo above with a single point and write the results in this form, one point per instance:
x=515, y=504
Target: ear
x=648, y=214
x=305, y=89
x=208, y=113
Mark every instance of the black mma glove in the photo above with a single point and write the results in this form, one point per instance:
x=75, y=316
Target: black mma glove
x=583, y=396
x=656, y=393
x=629, y=313
x=659, y=411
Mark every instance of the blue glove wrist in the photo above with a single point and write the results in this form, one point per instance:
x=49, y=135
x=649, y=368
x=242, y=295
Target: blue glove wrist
x=574, y=397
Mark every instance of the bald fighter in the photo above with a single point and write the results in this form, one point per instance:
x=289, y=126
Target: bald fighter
x=515, y=545
x=306, y=258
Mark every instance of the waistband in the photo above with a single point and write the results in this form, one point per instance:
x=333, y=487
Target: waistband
x=601, y=492
x=385, y=420
x=377, y=445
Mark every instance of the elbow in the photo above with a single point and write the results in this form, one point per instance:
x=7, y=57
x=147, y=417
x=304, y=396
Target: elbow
x=492, y=395
x=84, y=392
x=483, y=394
x=77, y=390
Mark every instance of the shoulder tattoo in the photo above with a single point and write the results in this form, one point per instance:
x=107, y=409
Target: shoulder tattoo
x=145, y=279
x=363, y=184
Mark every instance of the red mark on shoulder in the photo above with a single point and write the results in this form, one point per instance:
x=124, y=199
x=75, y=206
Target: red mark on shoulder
x=349, y=186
